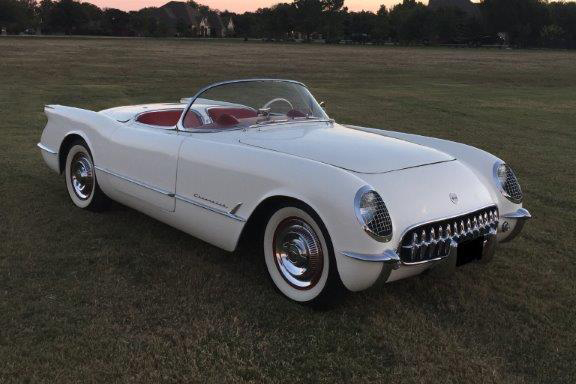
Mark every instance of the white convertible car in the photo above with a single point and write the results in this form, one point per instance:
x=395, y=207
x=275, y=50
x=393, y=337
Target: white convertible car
x=337, y=207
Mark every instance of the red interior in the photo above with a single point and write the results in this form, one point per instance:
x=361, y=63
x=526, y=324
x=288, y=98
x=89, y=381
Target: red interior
x=216, y=114
x=161, y=118
x=226, y=120
x=192, y=120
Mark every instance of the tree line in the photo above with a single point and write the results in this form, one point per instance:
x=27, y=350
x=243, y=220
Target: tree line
x=521, y=23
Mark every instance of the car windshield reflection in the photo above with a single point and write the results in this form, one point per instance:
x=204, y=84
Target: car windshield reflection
x=243, y=104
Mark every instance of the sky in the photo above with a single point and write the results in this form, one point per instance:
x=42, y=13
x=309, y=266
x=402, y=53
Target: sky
x=233, y=5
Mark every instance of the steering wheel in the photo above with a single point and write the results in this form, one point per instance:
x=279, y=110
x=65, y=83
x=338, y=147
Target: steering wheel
x=268, y=104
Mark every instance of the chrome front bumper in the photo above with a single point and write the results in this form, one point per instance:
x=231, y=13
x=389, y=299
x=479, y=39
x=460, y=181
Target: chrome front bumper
x=446, y=265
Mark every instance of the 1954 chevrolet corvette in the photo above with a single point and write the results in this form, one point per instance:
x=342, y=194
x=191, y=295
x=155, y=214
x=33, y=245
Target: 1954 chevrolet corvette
x=337, y=207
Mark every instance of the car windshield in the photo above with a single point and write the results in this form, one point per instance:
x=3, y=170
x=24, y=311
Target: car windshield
x=243, y=104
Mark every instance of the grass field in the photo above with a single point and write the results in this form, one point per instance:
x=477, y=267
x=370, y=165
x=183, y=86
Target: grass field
x=120, y=297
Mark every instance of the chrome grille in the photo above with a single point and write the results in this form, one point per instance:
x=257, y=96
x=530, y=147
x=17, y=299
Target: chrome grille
x=380, y=224
x=511, y=186
x=433, y=240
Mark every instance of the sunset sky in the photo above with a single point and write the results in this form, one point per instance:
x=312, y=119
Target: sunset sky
x=233, y=5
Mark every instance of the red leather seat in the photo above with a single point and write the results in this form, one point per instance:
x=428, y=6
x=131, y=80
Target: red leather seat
x=226, y=120
x=192, y=120
x=238, y=113
x=160, y=118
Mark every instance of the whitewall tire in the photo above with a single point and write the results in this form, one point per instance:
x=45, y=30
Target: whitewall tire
x=81, y=181
x=299, y=256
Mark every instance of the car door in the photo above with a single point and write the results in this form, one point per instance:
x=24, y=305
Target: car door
x=142, y=161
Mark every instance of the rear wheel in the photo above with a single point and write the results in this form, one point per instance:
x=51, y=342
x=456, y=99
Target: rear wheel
x=299, y=257
x=81, y=179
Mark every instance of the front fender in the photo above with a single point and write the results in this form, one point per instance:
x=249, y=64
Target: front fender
x=246, y=176
x=478, y=161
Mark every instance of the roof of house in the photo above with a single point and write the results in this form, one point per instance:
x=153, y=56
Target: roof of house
x=175, y=11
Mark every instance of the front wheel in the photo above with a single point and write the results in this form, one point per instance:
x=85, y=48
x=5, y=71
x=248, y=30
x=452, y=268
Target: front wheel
x=299, y=257
x=81, y=179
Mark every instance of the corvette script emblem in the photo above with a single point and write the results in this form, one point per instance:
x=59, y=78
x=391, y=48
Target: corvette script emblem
x=454, y=198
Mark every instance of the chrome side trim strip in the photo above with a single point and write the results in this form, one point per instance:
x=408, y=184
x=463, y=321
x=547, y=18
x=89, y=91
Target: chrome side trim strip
x=167, y=193
x=46, y=149
x=211, y=209
x=388, y=257
x=230, y=215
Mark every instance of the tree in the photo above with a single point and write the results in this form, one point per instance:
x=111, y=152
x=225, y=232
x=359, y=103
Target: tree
x=382, y=25
x=308, y=15
x=246, y=25
x=67, y=16
x=411, y=22
x=447, y=25
x=277, y=22
x=18, y=15
x=563, y=16
x=115, y=22
x=521, y=20
x=334, y=15
x=360, y=26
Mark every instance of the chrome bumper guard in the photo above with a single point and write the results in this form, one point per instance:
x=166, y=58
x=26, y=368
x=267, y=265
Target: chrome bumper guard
x=521, y=216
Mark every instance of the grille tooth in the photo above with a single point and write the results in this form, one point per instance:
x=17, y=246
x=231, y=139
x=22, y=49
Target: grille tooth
x=432, y=247
x=414, y=245
x=475, y=229
x=440, y=240
x=424, y=245
x=433, y=240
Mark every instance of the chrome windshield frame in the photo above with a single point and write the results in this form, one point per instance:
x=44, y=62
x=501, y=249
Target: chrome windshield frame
x=180, y=124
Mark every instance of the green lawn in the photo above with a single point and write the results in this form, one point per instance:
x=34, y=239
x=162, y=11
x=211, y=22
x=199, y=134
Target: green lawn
x=120, y=297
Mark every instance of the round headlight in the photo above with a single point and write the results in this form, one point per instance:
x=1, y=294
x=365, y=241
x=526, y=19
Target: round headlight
x=507, y=182
x=373, y=214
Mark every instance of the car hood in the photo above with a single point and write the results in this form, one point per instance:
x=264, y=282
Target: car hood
x=342, y=147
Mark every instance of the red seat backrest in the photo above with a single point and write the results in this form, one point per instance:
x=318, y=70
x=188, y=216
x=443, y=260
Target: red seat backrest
x=239, y=113
x=192, y=120
x=226, y=120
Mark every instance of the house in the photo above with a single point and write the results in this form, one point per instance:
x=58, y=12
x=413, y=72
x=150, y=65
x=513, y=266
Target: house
x=183, y=19
x=230, y=28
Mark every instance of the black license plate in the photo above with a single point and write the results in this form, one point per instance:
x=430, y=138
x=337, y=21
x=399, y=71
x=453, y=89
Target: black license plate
x=469, y=251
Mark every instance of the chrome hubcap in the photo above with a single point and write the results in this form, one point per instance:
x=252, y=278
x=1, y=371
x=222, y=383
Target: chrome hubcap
x=298, y=253
x=82, y=176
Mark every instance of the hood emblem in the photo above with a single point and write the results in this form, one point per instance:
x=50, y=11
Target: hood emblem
x=453, y=198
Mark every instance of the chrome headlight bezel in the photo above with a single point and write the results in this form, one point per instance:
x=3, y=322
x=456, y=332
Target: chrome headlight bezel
x=509, y=178
x=381, y=206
